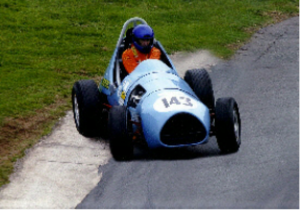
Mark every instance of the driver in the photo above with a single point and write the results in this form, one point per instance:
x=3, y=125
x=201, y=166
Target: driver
x=141, y=49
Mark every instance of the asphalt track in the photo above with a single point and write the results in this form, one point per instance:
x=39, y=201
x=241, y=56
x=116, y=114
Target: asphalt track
x=263, y=77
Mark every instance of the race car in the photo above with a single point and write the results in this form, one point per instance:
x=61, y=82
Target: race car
x=154, y=105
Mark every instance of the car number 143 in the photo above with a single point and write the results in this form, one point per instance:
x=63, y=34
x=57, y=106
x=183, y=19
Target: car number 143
x=177, y=101
x=169, y=103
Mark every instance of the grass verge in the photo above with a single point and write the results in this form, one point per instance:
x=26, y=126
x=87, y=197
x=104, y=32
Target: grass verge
x=47, y=45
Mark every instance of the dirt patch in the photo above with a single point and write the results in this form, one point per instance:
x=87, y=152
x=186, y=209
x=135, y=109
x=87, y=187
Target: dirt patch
x=18, y=134
x=58, y=171
x=193, y=60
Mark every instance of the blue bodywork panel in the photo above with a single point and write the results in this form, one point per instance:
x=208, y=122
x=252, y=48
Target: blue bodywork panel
x=165, y=95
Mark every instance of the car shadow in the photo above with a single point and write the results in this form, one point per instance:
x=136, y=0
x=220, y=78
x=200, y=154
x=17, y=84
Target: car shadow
x=183, y=153
x=143, y=153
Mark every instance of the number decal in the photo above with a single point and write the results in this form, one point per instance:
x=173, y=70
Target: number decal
x=171, y=101
x=165, y=102
x=175, y=101
x=123, y=95
x=187, y=102
x=105, y=83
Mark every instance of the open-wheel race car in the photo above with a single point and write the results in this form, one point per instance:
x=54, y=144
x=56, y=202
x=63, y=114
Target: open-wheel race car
x=153, y=104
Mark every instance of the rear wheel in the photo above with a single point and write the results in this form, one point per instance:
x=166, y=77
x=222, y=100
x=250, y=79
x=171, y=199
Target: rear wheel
x=200, y=82
x=228, y=125
x=87, y=108
x=121, y=145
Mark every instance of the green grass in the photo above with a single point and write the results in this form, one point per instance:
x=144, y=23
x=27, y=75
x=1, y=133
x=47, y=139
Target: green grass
x=47, y=45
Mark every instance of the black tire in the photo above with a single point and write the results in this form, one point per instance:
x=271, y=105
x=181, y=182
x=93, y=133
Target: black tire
x=200, y=82
x=121, y=145
x=228, y=125
x=87, y=108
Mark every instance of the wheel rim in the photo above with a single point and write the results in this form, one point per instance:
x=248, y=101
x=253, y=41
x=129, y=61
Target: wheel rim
x=236, y=126
x=76, y=110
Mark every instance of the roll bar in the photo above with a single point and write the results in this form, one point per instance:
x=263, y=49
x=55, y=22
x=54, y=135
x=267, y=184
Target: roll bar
x=131, y=20
x=134, y=20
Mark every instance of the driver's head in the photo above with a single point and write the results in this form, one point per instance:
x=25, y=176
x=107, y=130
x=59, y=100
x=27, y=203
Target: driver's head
x=143, y=36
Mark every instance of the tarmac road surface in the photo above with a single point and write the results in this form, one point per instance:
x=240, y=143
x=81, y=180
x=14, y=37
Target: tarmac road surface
x=264, y=79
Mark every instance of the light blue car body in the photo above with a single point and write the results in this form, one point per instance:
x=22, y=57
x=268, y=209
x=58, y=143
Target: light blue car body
x=166, y=94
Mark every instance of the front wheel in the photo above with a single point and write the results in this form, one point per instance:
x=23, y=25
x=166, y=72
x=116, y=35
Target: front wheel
x=121, y=145
x=228, y=125
x=200, y=82
x=87, y=108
